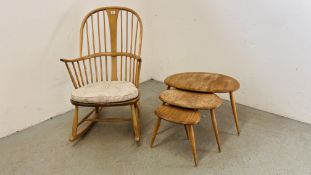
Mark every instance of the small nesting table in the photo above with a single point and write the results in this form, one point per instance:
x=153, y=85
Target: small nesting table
x=181, y=107
x=208, y=83
x=186, y=117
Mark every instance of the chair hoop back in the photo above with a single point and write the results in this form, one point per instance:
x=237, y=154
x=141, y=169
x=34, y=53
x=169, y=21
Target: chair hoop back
x=110, y=30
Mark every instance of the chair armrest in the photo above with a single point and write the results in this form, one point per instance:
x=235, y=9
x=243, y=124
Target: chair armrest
x=79, y=74
x=114, y=54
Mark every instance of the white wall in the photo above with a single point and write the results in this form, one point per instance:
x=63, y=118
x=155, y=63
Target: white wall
x=34, y=35
x=264, y=44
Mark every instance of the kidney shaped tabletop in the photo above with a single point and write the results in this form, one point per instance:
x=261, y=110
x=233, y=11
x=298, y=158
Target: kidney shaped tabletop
x=203, y=82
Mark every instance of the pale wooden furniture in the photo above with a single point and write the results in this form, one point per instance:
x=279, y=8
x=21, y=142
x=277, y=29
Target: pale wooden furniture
x=108, y=69
x=209, y=83
x=189, y=99
x=195, y=101
x=186, y=117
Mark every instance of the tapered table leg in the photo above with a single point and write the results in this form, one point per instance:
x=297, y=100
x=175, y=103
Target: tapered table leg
x=155, y=131
x=235, y=114
x=193, y=145
x=214, y=122
x=186, y=131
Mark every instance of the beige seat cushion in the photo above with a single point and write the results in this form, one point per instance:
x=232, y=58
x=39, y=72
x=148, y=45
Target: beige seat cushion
x=105, y=92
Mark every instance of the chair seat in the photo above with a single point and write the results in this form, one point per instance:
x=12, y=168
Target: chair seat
x=105, y=92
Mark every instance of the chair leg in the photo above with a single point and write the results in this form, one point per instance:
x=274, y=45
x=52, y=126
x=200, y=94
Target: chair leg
x=137, y=108
x=186, y=131
x=193, y=145
x=214, y=122
x=135, y=123
x=155, y=131
x=98, y=109
x=235, y=114
x=76, y=132
x=75, y=122
x=138, y=118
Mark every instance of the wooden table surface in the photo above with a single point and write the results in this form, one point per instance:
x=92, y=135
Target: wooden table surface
x=203, y=82
x=178, y=115
x=189, y=99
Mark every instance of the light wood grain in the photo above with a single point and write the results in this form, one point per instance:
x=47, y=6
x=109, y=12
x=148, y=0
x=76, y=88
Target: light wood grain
x=186, y=131
x=94, y=45
x=135, y=123
x=203, y=82
x=193, y=144
x=75, y=121
x=235, y=114
x=113, y=18
x=215, y=127
x=178, y=115
x=82, y=127
x=107, y=22
x=192, y=100
x=155, y=131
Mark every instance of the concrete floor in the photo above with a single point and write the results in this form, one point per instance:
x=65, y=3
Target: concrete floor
x=268, y=144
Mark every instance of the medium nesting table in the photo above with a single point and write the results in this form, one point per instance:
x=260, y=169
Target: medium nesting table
x=208, y=83
x=181, y=107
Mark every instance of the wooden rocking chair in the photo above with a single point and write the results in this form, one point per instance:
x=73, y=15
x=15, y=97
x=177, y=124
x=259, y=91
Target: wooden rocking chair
x=108, y=69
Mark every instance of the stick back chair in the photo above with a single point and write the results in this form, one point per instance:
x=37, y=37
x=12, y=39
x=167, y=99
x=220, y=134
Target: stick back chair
x=108, y=69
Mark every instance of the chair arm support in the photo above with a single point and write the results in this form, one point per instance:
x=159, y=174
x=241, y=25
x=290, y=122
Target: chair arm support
x=137, y=78
x=76, y=74
x=113, y=54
